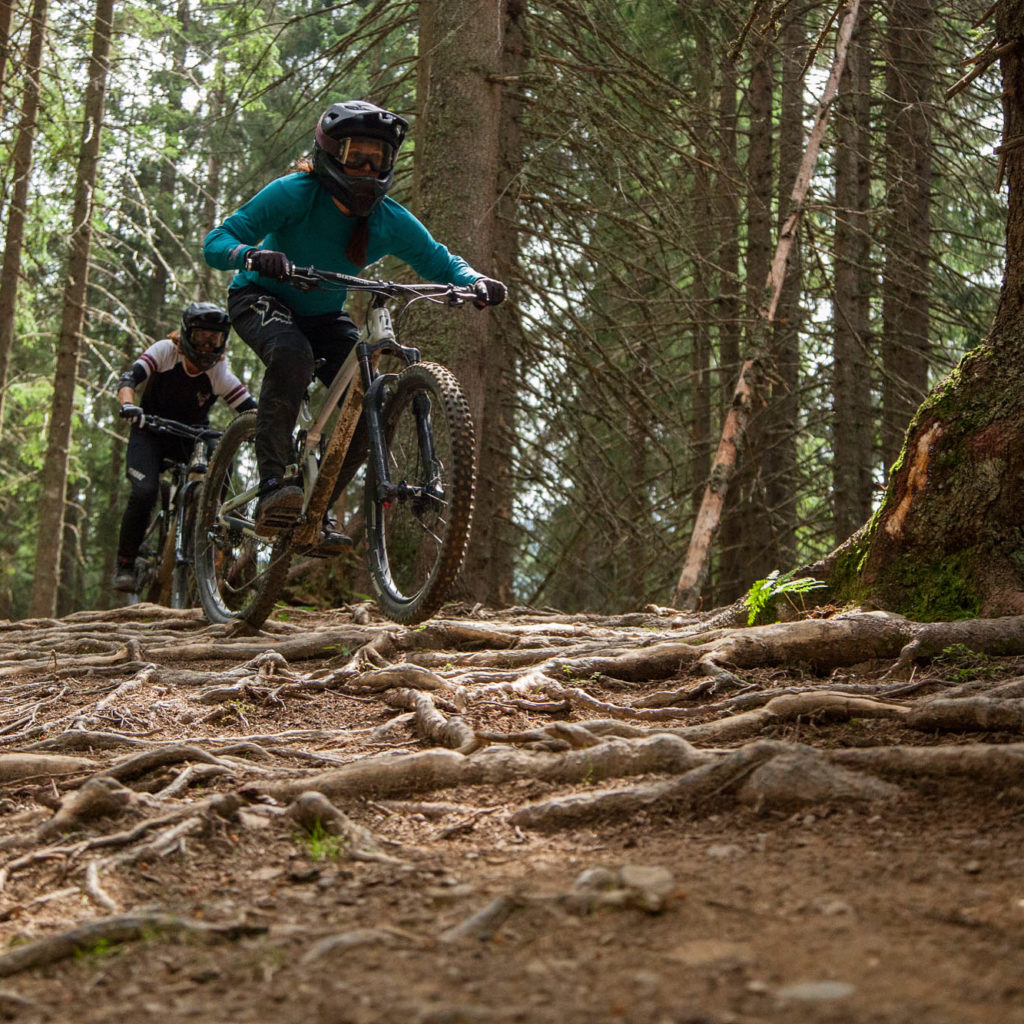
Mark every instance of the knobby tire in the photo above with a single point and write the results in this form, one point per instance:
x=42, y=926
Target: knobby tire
x=238, y=576
x=415, y=546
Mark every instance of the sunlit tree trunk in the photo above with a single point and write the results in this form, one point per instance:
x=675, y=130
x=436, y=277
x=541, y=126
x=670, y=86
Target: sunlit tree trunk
x=853, y=438
x=459, y=92
x=55, y=466
x=910, y=77
x=14, y=239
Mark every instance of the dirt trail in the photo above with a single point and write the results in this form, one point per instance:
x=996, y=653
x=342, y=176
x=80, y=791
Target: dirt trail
x=517, y=817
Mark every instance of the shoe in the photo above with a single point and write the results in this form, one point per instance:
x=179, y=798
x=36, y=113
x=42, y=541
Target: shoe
x=277, y=510
x=330, y=545
x=124, y=577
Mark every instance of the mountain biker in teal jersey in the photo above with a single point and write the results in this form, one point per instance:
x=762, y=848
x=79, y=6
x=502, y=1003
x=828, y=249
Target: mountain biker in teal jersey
x=334, y=213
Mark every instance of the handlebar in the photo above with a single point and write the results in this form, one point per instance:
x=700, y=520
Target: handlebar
x=306, y=278
x=159, y=425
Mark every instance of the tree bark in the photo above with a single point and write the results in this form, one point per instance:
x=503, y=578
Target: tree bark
x=457, y=154
x=910, y=75
x=6, y=16
x=745, y=538
x=14, y=239
x=852, y=415
x=947, y=541
x=492, y=559
x=782, y=415
x=55, y=466
x=703, y=263
x=727, y=210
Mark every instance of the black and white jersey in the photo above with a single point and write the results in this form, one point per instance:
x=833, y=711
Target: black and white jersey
x=174, y=393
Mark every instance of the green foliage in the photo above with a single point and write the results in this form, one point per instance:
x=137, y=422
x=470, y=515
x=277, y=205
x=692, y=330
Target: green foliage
x=764, y=592
x=321, y=844
x=100, y=949
x=965, y=665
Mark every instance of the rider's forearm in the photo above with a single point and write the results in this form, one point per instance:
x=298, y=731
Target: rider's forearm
x=126, y=396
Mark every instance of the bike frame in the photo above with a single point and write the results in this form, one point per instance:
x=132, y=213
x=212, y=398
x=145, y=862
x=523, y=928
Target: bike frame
x=358, y=387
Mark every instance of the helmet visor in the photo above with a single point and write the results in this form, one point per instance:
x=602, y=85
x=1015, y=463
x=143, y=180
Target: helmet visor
x=359, y=153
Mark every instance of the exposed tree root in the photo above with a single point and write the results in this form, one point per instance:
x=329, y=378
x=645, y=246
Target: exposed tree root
x=442, y=769
x=99, y=935
x=135, y=736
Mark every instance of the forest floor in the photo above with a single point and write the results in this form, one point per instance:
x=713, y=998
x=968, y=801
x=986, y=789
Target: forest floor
x=525, y=816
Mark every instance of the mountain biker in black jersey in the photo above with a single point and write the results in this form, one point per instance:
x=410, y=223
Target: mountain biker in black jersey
x=333, y=213
x=183, y=375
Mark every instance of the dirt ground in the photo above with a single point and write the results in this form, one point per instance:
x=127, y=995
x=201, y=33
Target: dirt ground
x=436, y=900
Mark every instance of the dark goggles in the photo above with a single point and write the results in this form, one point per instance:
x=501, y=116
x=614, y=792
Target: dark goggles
x=207, y=339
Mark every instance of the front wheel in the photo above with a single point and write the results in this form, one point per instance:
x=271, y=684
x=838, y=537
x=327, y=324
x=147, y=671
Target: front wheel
x=238, y=574
x=184, y=592
x=418, y=521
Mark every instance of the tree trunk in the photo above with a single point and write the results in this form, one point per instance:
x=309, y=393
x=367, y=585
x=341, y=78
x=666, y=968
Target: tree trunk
x=727, y=209
x=781, y=417
x=15, y=235
x=745, y=537
x=492, y=556
x=459, y=91
x=6, y=16
x=58, y=445
x=703, y=262
x=910, y=74
x=947, y=541
x=852, y=416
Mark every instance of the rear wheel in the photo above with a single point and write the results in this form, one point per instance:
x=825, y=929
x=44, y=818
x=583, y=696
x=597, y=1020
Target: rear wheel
x=238, y=574
x=418, y=529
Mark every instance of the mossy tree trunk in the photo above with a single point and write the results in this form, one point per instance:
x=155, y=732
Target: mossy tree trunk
x=948, y=539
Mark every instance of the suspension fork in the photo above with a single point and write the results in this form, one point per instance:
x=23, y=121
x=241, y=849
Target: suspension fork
x=181, y=545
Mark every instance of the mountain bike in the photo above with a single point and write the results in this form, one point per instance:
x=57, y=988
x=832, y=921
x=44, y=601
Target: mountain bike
x=163, y=566
x=420, y=474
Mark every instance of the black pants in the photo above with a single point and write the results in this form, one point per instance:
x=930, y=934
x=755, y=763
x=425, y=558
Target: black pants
x=146, y=456
x=289, y=346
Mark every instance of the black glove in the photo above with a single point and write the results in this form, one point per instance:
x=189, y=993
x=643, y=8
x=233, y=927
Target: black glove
x=268, y=263
x=489, y=292
x=133, y=413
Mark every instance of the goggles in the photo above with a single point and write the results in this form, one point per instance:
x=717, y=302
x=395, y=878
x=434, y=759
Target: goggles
x=354, y=152
x=206, y=339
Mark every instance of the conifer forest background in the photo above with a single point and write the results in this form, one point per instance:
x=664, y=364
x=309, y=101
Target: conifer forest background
x=624, y=165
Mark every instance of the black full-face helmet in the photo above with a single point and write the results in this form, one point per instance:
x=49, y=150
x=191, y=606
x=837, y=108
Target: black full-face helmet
x=204, y=352
x=365, y=138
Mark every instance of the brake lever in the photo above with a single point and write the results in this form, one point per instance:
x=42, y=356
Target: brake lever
x=303, y=282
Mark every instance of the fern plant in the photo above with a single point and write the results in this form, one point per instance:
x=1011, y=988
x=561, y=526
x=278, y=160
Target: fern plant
x=766, y=590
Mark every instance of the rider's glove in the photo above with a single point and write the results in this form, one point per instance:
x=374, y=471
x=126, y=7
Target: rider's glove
x=133, y=413
x=268, y=263
x=489, y=292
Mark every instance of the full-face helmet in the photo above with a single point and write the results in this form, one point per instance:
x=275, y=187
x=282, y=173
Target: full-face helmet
x=204, y=333
x=354, y=150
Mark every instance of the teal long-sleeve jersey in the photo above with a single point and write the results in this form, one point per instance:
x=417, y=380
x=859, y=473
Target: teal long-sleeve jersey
x=297, y=216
